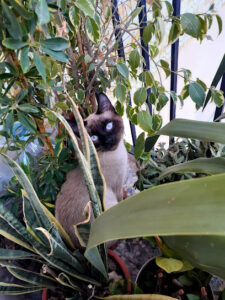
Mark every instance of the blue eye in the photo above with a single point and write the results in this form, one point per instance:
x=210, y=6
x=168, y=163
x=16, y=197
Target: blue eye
x=94, y=138
x=109, y=126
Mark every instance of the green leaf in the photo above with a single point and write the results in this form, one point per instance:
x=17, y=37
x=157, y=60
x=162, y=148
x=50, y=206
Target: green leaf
x=8, y=254
x=21, y=9
x=220, y=23
x=120, y=92
x=144, y=120
x=147, y=33
x=179, y=208
x=32, y=277
x=123, y=70
x=215, y=165
x=86, y=6
x=140, y=96
x=9, y=122
x=165, y=67
x=119, y=108
x=185, y=92
x=74, y=16
x=12, y=24
x=169, y=264
x=27, y=122
x=169, y=8
x=156, y=122
x=12, y=289
x=134, y=59
x=218, y=98
x=93, y=30
x=28, y=108
x=197, y=93
x=13, y=43
x=219, y=73
x=42, y=12
x=24, y=59
x=174, y=33
x=191, y=24
x=39, y=65
x=55, y=44
x=140, y=146
x=60, y=56
x=62, y=105
x=149, y=79
x=203, y=131
x=139, y=296
x=204, y=252
x=5, y=76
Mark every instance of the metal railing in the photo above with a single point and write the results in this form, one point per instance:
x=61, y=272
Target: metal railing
x=145, y=54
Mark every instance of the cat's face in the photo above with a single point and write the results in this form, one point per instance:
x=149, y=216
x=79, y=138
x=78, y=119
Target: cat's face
x=105, y=127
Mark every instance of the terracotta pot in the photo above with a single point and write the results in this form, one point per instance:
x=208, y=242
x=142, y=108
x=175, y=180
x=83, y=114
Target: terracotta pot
x=45, y=294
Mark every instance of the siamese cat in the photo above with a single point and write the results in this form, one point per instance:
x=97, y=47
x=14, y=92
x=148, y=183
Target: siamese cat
x=105, y=127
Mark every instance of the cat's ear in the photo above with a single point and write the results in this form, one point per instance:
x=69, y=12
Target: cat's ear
x=73, y=125
x=104, y=104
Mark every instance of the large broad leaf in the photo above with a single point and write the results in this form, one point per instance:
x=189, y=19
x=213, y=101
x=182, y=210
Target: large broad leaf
x=211, y=166
x=21, y=9
x=92, y=30
x=13, y=44
x=190, y=24
x=12, y=23
x=42, y=12
x=55, y=44
x=204, y=252
x=86, y=7
x=58, y=55
x=203, y=131
x=192, y=207
x=219, y=73
x=197, y=93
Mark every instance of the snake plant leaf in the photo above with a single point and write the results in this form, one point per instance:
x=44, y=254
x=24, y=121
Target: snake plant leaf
x=96, y=172
x=41, y=217
x=30, y=276
x=15, y=289
x=179, y=208
x=15, y=254
x=81, y=129
x=58, y=250
x=15, y=225
x=204, y=252
x=94, y=257
x=64, y=279
x=94, y=197
x=11, y=234
x=215, y=165
x=139, y=297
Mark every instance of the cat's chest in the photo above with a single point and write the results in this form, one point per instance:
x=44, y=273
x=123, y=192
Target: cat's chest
x=114, y=164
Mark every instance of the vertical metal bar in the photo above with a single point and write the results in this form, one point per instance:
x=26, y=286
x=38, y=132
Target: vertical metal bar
x=144, y=48
x=121, y=53
x=174, y=63
x=219, y=110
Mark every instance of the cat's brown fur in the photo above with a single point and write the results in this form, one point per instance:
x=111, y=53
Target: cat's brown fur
x=73, y=197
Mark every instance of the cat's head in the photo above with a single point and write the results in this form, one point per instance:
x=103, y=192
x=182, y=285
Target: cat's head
x=105, y=126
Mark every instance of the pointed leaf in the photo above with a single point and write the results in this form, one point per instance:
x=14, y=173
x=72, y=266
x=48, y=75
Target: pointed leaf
x=123, y=70
x=190, y=24
x=184, y=207
x=55, y=44
x=24, y=59
x=39, y=65
x=92, y=30
x=86, y=7
x=197, y=93
x=215, y=165
x=41, y=10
